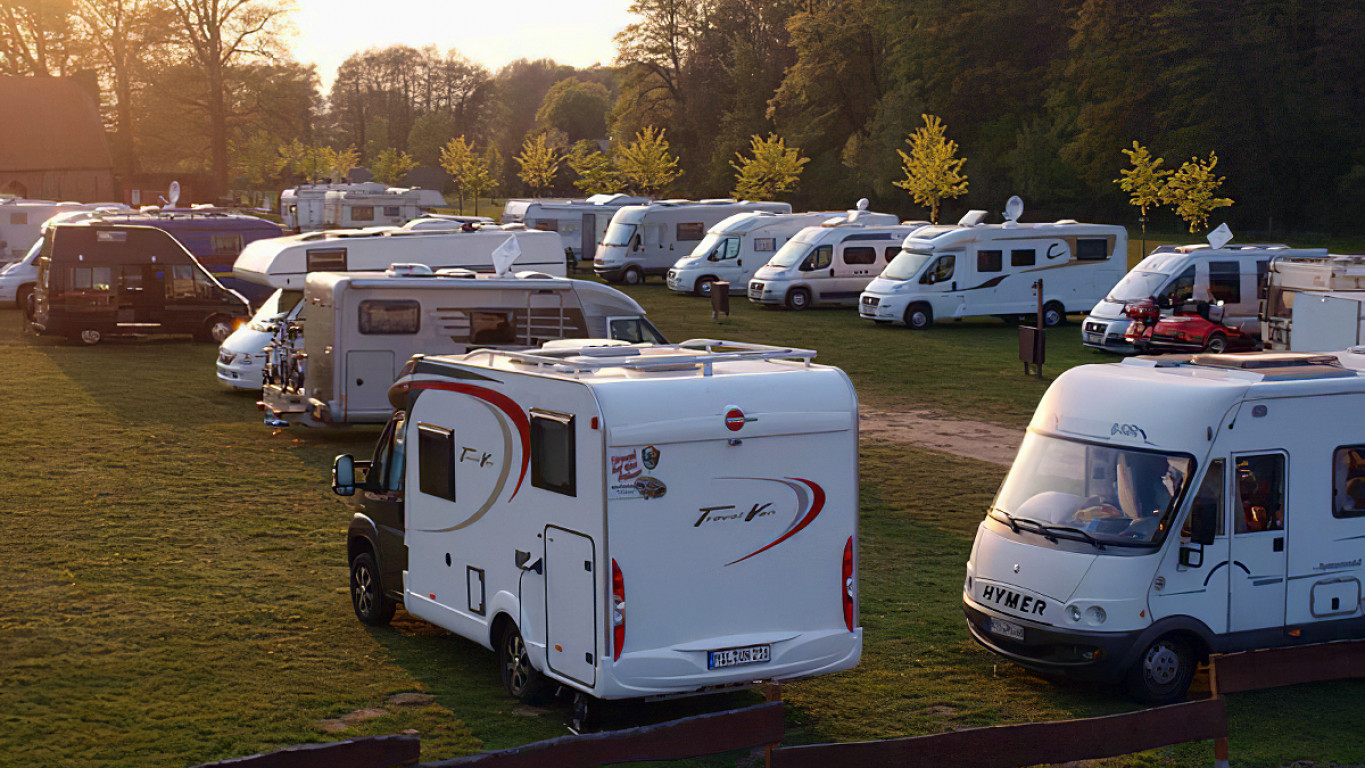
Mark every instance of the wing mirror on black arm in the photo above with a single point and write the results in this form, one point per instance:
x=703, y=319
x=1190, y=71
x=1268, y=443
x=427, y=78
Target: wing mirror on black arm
x=1203, y=523
x=343, y=475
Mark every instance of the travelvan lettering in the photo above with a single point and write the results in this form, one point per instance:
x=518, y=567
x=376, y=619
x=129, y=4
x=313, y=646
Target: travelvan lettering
x=1013, y=600
x=710, y=514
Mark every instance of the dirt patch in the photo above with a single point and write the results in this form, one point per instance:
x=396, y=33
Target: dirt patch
x=973, y=439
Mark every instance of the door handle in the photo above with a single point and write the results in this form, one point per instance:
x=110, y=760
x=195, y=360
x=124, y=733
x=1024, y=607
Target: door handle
x=1278, y=544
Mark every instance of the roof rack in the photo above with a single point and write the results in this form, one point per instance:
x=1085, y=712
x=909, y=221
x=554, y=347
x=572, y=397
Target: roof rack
x=690, y=354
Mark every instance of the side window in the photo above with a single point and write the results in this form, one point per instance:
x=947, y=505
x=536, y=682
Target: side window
x=892, y=253
x=392, y=210
x=548, y=225
x=130, y=280
x=552, y=452
x=204, y=286
x=326, y=259
x=227, y=245
x=941, y=271
x=1208, y=500
x=362, y=213
x=819, y=258
x=989, y=261
x=1225, y=281
x=634, y=330
x=765, y=244
x=20, y=219
x=1022, y=258
x=730, y=249
x=393, y=316
x=1260, y=493
x=1262, y=267
x=436, y=461
x=690, y=231
x=386, y=468
x=1179, y=290
x=860, y=254
x=180, y=284
x=1092, y=248
x=491, y=328
x=1348, y=481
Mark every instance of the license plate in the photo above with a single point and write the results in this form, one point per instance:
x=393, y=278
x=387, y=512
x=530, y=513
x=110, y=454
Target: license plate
x=738, y=657
x=1005, y=629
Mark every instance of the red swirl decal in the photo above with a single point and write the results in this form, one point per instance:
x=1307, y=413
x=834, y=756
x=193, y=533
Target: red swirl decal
x=500, y=401
x=816, y=505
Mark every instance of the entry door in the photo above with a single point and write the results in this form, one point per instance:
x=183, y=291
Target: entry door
x=588, y=236
x=854, y=267
x=369, y=373
x=1256, y=575
x=571, y=605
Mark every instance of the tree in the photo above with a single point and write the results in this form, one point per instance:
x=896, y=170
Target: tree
x=1144, y=182
x=1190, y=191
x=773, y=169
x=306, y=162
x=457, y=160
x=646, y=165
x=392, y=165
x=932, y=169
x=125, y=33
x=576, y=108
x=339, y=163
x=428, y=136
x=539, y=163
x=257, y=160
x=597, y=174
x=483, y=175
x=36, y=38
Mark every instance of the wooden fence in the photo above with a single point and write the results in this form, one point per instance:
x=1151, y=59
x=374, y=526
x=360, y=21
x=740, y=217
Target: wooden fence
x=1001, y=746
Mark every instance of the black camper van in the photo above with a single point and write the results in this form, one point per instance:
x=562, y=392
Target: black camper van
x=97, y=280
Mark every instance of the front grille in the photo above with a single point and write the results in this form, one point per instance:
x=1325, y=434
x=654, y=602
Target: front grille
x=755, y=290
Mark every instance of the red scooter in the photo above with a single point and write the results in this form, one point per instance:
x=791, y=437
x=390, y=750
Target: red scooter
x=1193, y=327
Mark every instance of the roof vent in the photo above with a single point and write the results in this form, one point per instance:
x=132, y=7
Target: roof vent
x=972, y=218
x=408, y=270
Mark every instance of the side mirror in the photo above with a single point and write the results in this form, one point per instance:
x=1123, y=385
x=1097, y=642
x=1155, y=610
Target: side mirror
x=343, y=475
x=1192, y=557
x=1203, y=523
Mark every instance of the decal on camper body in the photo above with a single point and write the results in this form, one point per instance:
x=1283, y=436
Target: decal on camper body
x=810, y=501
x=504, y=404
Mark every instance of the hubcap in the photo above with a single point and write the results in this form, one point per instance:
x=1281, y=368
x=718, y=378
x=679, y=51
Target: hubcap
x=221, y=331
x=1163, y=664
x=363, y=587
x=518, y=666
x=90, y=337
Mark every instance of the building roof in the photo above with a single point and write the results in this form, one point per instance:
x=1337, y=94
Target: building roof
x=50, y=124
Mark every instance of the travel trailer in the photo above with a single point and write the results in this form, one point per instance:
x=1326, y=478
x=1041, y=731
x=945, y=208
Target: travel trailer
x=542, y=505
x=1173, y=275
x=242, y=357
x=975, y=269
x=334, y=364
x=1290, y=280
x=737, y=246
x=97, y=279
x=1161, y=509
x=21, y=222
x=830, y=264
x=647, y=239
x=309, y=207
x=580, y=222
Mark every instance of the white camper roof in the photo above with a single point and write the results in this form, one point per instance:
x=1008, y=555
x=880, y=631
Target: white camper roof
x=957, y=235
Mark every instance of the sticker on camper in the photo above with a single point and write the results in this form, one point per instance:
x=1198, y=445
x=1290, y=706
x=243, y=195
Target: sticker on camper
x=650, y=456
x=622, y=474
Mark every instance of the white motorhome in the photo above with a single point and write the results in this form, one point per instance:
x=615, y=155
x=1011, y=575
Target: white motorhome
x=334, y=363
x=647, y=239
x=1174, y=275
x=580, y=222
x=309, y=207
x=1290, y=280
x=284, y=263
x=975, y=269
x=21, y=222
x=828, y=264
x=1165, y=508
x=548, y=509
x=737, y=246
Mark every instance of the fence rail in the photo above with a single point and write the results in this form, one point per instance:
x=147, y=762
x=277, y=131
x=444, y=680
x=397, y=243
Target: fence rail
x=369, y=752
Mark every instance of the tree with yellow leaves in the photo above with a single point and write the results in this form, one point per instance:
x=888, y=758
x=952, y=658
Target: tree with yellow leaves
x=646, y=165
x=539, y=163
x=773, y=169
x=933, y=171
x=1143, y=182
x=1190, y=191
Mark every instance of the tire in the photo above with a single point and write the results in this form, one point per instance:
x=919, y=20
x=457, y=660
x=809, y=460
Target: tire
x=918, y=317
x=371, y=605
x=1054, y=314
x=1163, y=671
x=632, y=276
x=522, y=681
x=1216, y=343
x=21, y=300
x=89, y=337
x=798, y=299
x=216, y=329
x=703, y=286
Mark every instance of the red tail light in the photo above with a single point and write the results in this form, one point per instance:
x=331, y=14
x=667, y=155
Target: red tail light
x=618, y=610
x=848, y=586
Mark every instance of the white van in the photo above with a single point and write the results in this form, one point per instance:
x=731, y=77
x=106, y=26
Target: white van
x=737, y=246
x=580, y=222
x=648, y=239
x=974, y=269
x=1173, y=275
x=21, y=222
x=830, y=264
x=334, y=362
x=309, y=207
x=1290, y=280
x=542, y=505
x=284, y=263
x=1165, y=508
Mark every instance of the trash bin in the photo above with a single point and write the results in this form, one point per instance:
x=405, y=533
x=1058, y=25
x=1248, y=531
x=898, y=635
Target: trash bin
x=720, y=299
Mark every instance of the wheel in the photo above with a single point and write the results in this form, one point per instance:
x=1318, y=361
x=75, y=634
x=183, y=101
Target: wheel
x=1163, y=672
x=798, y=299
x=89, y=337
x=703, y=286
x=21, y=299
x=632, y=276
x=580, y=718
x=918, y=317
x=1054, y=314
x=216, y=329
x=520, y=679
x=371, y=605
x=1217, y=342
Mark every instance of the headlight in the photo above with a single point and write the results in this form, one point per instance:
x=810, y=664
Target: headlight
x=1074, y=613
x=1095, y=615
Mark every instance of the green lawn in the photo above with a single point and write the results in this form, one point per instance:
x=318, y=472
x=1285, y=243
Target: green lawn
x=177, y=586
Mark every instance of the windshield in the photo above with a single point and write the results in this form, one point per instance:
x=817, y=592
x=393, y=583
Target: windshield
x=1104, y=495
x=29, y=257
x=1136, y=286
x=275, y=307
x=790, y=255
x=706, y=245
x=906, y=265
x=619, y=233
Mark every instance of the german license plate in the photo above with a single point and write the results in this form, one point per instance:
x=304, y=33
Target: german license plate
x=1005, y=629
x=738, y=657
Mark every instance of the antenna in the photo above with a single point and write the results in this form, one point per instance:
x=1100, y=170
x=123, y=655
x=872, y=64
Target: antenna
x=174, y=193
x=1014, y=208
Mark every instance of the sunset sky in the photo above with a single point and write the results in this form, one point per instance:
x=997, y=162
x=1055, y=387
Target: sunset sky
x=575, y=32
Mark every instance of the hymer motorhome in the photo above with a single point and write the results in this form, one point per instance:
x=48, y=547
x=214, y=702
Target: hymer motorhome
x=543, y=505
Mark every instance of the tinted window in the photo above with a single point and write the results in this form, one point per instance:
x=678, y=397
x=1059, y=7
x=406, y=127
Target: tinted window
x=548, y=225
x=691, y=230
x=860, y=254
x=227, y=245
x=392, y=316
x=391, y=210
x=1260, y=493
x=989, y=261
x=765, y=244
x=436, y=461
x=327, y=260
x=552, y=452
x=1348, y=481
x=362, y=213
x=1022, y=258
x=1225, y=281
x=818, y=258
x=1092, y=248
x=635, y=330
x=892, y=253
x=491, y=328
x=941, y=270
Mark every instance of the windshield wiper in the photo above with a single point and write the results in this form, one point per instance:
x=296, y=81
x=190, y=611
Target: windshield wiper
x=1009, y=519
x=1026, y=524
x=1084, y=536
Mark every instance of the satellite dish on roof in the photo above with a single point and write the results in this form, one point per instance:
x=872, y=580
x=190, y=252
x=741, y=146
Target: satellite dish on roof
x=504, y=255
x=174, y=193
x=1220, y=236
x=862, y=204
x=1014, y=208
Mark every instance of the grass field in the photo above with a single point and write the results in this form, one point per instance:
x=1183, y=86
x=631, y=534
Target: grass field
x=176, y=585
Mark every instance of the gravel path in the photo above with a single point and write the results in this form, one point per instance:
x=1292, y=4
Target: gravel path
x=973, y=439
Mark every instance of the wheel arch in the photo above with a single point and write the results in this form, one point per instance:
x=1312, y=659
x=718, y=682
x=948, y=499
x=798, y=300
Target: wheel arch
x=1202, y=639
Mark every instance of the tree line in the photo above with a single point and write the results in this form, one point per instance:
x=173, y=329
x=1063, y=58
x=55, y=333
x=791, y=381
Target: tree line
x=1041, y=99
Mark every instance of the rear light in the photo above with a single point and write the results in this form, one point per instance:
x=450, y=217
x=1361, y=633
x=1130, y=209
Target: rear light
x=618, y=610
x=849, y=588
